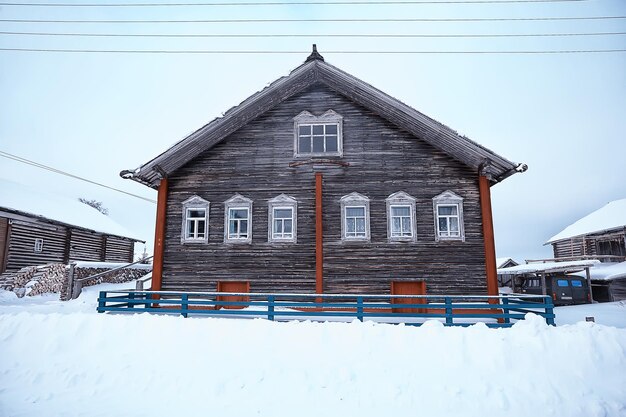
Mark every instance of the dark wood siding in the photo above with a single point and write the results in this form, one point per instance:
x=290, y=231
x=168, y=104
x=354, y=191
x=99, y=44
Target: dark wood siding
x=4, y=230
x=119, y=250
x=22, y=244
x=86, y=246
x=383, y=159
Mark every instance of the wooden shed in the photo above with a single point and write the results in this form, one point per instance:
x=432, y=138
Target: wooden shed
x=321, y=183
x=37, y=228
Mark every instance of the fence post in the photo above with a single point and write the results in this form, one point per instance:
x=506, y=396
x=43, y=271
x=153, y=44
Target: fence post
x=131, y=296
x=549, y=311
x=448, y=302
x=70, y=282
x=359, y=308
x=78, y=288
x=184, y=305
x=101, y=301
x=270, y=307
x=505, y=310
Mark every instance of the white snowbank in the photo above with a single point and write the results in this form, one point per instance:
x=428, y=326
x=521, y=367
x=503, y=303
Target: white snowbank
x=88, y=364
x=607, y=271
x=548, y=267
x=65, y=210
x=111, y=265
x=611, y=216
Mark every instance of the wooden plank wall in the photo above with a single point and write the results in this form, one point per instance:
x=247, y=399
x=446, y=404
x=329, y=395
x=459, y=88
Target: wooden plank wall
x=22, y=244
x=4, y=230
x=119, y=250
x=383, y=159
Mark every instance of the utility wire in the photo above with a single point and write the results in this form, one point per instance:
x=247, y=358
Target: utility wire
x=343, y=20
x=287, y=3
x=261, y=52
x=67, y=174
x=318, y=35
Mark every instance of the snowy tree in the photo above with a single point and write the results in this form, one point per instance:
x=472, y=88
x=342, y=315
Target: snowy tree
x=143, y=258
x=95, y=204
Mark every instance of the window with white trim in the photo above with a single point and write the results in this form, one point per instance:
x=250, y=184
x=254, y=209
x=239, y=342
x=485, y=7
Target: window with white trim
x=318, y=135
x=282, y=219
x=401, y=225
x=195, y=227
x=448, y=213
x=38, y=245
x=355, y=217
x=238, y=220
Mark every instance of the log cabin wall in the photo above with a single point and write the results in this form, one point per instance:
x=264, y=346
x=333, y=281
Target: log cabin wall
x=60, y=244
x=21, y=244
x=382, y=158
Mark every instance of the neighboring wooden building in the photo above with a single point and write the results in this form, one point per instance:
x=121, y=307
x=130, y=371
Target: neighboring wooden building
x=505, y=280
x=36, y=229
x=599, y=235
x=321, y=183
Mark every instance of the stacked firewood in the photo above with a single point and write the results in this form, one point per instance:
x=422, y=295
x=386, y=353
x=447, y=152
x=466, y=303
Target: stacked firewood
x=35, y=280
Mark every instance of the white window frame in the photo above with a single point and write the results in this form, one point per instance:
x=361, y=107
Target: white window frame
x=237, y=202
x=401, y=199
x=330, y=117
x=355, y=200
x=195, y=203
x=38, y=248
x=448, y=198
x=282, y=202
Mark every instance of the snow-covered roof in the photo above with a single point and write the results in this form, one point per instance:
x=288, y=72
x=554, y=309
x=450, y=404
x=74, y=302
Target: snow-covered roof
x=501, y=261
x=36, y=203
x=611, y=216
x=547, y=267
x=608, y=271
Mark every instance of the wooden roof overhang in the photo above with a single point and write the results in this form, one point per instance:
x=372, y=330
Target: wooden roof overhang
x=316, y=70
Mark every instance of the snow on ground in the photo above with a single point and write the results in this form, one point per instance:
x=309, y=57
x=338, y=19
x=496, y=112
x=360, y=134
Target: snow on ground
x=63, y=359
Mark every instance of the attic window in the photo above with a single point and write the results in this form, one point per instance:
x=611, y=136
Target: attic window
x=38, y=245
x=318, y=135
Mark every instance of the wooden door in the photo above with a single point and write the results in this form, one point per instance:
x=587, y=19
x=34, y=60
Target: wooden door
x=4, y=237
x=233, y=286
x=408, y=288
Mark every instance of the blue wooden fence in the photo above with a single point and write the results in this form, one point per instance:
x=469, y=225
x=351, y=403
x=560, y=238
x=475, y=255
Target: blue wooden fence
x=452, y=310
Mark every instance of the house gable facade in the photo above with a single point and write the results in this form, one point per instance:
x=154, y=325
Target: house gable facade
x=361, y=189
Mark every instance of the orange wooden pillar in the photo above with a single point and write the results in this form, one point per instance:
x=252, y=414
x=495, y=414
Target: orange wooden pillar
x=490, y=246
x=319, y=249
x=159, y=236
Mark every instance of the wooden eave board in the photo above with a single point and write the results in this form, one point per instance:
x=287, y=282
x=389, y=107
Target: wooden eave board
x=436, y=134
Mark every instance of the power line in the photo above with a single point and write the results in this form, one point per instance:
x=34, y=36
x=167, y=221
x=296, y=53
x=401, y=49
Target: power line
x=318, y=35
x=67, y=174
x=342, y=20
x=288, y=3
x=261, y=52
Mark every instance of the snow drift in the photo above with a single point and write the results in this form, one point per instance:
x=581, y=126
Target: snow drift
x=83, y=364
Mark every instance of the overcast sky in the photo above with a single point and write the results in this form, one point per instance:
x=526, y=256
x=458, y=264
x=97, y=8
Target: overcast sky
x=95, y=114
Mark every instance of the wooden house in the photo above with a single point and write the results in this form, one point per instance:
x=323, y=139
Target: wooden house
x=321, y=183
x=37, y=228
x=599, y=235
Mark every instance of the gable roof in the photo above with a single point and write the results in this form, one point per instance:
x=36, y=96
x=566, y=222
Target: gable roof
x=316, y=70
x=29, y=202
x=611, y=216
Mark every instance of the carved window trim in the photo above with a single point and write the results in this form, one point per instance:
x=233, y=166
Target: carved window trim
x=38, y=248
x=282, y=201
x=401, y=199
x=195, y=203
x=237, y=202
x=355, y=200
x=448, y=198
x=330, y=117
